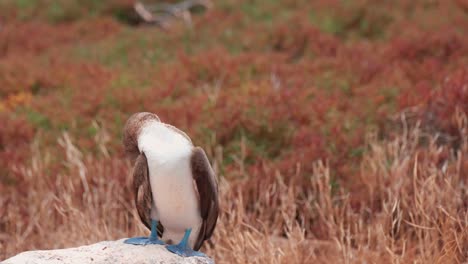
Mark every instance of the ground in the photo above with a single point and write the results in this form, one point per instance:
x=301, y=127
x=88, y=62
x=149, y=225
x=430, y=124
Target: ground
x=338, y=129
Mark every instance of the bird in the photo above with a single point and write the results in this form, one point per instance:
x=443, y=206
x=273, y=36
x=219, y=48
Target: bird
x=175, y=187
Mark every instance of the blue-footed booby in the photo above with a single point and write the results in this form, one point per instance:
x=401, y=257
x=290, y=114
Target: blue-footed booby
x=176, y=193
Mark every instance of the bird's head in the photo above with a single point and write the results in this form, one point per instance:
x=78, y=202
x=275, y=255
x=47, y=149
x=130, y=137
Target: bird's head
x=132, y=130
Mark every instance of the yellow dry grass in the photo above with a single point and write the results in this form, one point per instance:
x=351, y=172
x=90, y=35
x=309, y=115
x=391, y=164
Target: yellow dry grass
x=413, y=208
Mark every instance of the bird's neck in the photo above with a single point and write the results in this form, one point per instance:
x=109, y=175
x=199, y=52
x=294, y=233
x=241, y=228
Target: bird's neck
x=161, y=144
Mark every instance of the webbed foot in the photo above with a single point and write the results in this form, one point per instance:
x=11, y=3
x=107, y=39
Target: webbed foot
x=184, y=251
x=143, y=241
x=151, y=240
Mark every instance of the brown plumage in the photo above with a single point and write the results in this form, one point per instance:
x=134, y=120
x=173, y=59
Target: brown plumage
x=131, y=131
x=208, y=194
x=142, y=192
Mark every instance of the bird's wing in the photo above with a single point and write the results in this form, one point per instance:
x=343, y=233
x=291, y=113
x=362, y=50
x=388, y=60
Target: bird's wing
x=207, y=188
x=143, y=194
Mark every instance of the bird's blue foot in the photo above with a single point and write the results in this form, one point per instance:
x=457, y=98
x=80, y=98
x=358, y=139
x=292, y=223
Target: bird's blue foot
x=143, y=241
x=151, y=240
x=184, y=251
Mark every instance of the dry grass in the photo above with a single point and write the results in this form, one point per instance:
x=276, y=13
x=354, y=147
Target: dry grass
x=413, y=208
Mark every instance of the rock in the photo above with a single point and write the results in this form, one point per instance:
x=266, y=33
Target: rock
x=112, y=252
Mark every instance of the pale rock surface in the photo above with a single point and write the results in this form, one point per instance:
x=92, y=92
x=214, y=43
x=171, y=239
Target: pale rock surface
x=106, y=252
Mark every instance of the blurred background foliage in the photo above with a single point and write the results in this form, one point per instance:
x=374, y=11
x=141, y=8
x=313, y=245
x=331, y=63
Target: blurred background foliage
x=297, y=80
